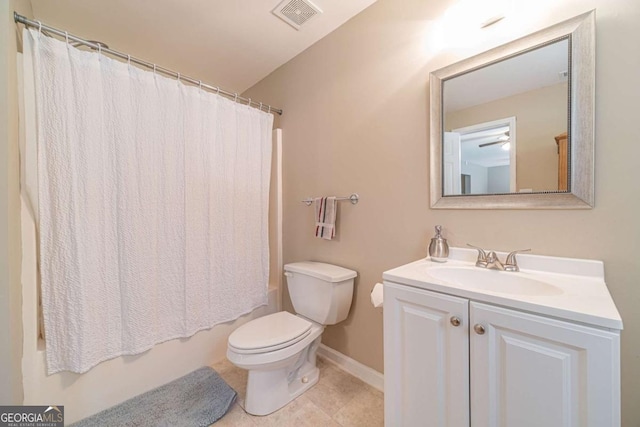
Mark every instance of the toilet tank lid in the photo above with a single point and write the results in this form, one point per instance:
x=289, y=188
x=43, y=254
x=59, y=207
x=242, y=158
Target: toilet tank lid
x=329, y=272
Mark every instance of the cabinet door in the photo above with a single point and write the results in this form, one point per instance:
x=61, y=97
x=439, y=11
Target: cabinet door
x=426, y=358
x=530, y=370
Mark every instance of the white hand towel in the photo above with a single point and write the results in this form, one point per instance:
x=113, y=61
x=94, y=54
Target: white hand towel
x=325, y=214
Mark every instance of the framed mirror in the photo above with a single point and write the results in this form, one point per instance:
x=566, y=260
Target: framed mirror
x=513, y=127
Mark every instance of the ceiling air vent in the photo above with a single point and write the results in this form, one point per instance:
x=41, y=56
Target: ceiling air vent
x=296, y=12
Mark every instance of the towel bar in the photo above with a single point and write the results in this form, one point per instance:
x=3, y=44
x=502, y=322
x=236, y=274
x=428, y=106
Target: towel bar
x=352, y=198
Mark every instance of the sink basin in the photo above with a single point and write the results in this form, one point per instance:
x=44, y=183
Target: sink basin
x=503, y=282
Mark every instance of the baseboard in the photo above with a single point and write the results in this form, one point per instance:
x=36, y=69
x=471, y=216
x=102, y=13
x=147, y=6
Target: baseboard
x=370, y=376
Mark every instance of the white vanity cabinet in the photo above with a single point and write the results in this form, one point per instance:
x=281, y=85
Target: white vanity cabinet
x=452, y=361
x=531, y=370
x=426, y=358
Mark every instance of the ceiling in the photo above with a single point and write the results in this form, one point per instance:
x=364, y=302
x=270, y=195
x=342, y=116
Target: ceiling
x=522, y=73
x=232, y=44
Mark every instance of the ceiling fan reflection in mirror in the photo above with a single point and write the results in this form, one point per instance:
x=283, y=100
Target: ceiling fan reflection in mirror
x=503, y=140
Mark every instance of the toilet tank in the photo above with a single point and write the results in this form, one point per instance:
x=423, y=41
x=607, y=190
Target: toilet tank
x=320, y=292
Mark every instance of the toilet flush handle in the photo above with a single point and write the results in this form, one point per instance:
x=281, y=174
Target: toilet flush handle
x=288, y=274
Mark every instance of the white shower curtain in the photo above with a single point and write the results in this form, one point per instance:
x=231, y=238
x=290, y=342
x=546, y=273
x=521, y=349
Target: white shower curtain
x=153, y=205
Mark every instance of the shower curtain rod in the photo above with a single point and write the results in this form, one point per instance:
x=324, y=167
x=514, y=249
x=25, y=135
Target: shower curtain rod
x=100, y=47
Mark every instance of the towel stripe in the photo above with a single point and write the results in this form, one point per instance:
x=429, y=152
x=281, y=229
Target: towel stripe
x=324, y=215
x=319, y=215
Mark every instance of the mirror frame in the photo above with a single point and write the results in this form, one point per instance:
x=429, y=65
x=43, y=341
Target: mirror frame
x=581, y=33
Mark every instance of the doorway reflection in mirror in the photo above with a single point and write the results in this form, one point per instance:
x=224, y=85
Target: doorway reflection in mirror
x=486, y=154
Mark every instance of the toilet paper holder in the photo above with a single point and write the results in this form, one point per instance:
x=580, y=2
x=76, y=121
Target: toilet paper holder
x=377, y=295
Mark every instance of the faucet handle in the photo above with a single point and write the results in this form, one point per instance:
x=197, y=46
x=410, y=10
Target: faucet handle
x=482, y=256
x=511, y=264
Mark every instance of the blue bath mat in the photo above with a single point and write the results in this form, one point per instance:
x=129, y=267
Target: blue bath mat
x=197, y=399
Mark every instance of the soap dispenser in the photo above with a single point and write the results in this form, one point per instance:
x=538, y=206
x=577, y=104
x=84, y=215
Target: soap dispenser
x=439, y=248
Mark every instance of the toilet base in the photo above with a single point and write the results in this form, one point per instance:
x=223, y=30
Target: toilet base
x=270, y=390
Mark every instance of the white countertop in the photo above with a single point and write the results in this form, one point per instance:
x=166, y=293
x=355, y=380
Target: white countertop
x=583, y=295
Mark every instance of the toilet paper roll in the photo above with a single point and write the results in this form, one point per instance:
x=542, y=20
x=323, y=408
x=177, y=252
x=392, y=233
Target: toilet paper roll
x=377, y=295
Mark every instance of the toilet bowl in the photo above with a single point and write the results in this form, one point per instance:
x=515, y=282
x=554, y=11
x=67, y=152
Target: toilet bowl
x=281, y=372
x=279, y=350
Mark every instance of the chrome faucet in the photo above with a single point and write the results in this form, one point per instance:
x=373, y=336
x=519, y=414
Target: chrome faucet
x=492, y=261
x=482, y=256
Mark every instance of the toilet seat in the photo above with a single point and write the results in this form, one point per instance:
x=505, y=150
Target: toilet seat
x=269, y=333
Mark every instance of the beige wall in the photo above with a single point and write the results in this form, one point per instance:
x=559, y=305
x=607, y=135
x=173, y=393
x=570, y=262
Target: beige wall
x=10, y=293
x=356, y=119
x=541, y=115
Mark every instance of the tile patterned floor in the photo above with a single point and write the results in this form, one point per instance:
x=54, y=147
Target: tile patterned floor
x=337, y=400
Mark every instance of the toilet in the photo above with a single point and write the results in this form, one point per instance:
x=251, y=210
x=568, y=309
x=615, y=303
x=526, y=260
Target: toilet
x=279, y=350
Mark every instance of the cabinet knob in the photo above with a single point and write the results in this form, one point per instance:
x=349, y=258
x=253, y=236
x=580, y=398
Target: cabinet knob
x=455, y=321
x=479, y=329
